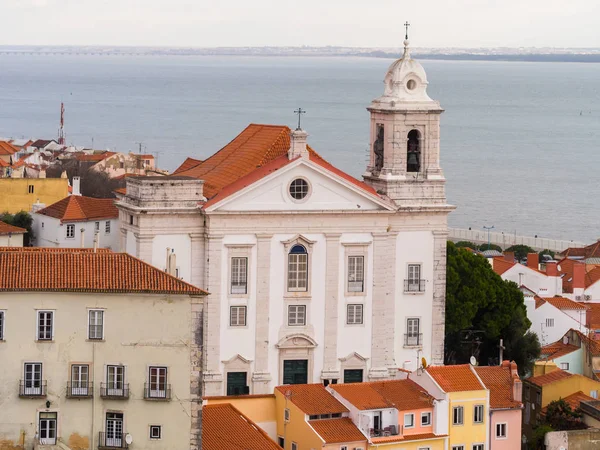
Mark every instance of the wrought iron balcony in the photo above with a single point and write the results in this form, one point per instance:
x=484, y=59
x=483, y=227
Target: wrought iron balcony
x=33, y=389
x=153, y=391
x=414, y=285
x=112, y=440
x=112, y=391
x=413, y=340
x=78, y=389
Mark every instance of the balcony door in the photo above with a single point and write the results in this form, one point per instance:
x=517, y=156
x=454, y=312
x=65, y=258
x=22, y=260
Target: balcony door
x=158, y=382
x=115, y=376
x=33, y=379
x=80, y=379
x=114, y=430
x=48, y=428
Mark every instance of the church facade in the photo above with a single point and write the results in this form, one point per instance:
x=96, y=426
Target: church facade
x=313, y=275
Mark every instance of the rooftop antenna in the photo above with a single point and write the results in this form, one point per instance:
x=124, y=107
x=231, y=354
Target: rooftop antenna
x=140, y=146
x=61, y=129
x=299, y=111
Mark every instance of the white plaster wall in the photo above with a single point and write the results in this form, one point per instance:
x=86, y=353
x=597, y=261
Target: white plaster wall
x=539, y=283
x=594, y=291
x=16, y=240
x=414, y=247
x=130, y=246
x=181, y=245
x=53, y=233
x=562, y=323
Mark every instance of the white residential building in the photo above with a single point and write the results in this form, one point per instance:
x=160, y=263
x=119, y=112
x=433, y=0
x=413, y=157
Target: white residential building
x=313, y=275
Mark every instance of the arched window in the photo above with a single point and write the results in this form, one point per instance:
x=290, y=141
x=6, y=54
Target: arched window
x=298, y=269
x=413, y=156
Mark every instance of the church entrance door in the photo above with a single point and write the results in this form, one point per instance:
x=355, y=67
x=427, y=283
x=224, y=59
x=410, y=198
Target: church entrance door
x=295, y=371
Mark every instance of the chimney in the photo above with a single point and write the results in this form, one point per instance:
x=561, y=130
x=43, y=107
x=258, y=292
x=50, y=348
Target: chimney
x=533, y=261
x=552, y=269
x=76, y=181
x=509, y=256
x=171, y=265
x=42, y=173
x=82, y=237
x=96, y=241
x=298, y=144
x=37, y=206
x=578, y=276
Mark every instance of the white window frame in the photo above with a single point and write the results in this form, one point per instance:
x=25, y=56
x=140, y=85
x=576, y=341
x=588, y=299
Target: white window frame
x=411, y=280
x=428, y=416
x=477, y=408
x=564, y=365
x=286, y=415
x=107, y=227
x=97, y=226
x=461, y=413
x=356, y=274
x=80, y=385
x=299, y=313
x=353, y=310
x=95, y=311
x=158, y=372
x=159, y=428
x=238, y=316
x=238, y=276
x=499, y=427
x=32, y=389
x=37, y=324
x=549, y=322
x=70, y=231
x=2, y=324
x=458, y=447
x=297, y=260
x=479, y=446
x=114, y=382
x=411, y=416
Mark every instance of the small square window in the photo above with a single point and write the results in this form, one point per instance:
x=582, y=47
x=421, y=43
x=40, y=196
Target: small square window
x=549, y=323
x=354, y=315
x=458, y=447
x=478, y=414
x=281, y=441
x=296, y=315
x=409, y=420
x=425, y=419
x=30, y=188
x=477, y=446
x=97, y=226
x=564, y=366
x=107, y=227
x=501, y=430
x=294, y=446
x=70, y=231
x=457, y=415
x=237, y=316
x=155, y=431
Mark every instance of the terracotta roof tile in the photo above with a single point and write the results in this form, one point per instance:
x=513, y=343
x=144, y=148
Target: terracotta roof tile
x=188, y=164
x=557, y=349
x=225, y=428
x=574, y=400
x=563, y=303
x=78, y=271
x=77, y=208
x=589, y=251
x=593, y=346
x=499, y=382
x=592, y=277
x=334, y=431
x=95, y=157
x=7, y=148
x=407, y=438
x=501, y=265
x=549, y=378
x=312, y=399
x=6, y=228
x=54, y=250
x=4, y=163
x=455, y=378
x=400, y=394
x=593, y=316
x=40, y=143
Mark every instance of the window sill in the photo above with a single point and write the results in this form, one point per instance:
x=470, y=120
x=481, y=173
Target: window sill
x=95, y=340
x=356, y=325
x=157, y=399
x=296, y=295
x=44, y=341
x=356, y=294
x=413, y=346
x=238, y=296
x=414, y=292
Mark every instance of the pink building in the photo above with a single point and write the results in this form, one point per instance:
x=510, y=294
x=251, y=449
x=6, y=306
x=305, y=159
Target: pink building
x=505, y=405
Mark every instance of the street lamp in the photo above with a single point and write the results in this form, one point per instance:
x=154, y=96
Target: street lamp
x=488, y=230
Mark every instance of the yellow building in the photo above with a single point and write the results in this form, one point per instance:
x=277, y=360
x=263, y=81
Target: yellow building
x=19, y=194
x=468, y=404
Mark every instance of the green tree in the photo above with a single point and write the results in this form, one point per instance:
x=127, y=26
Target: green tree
x=481, y=309
x=546, y=252
x=467, y=244
x=520, y=251
x=484, y=247
x=539, y=433
x=21, y=219
x=561, y=417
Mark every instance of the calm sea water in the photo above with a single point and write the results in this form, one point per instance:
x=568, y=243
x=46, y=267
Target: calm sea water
x=520, y=141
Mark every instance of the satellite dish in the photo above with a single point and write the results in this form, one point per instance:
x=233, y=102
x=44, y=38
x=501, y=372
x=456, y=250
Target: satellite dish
x=473, y=361
x=565, y=340
x=559, y=268
x=128, y=439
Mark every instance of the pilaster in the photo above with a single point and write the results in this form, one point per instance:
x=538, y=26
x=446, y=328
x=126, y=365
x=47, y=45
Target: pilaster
x=198, y=259
x=440, y=239
x=143, y=247
x=330, y=360
x=197, y=332
x=123, y=240
x=261, y=378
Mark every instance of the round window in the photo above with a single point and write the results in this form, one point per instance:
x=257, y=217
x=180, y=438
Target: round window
x=299, y=189
x=411, y=84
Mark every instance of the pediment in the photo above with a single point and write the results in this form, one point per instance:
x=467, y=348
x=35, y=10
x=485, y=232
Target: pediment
x=298, y=340
x=239, y=359
x=353, y=358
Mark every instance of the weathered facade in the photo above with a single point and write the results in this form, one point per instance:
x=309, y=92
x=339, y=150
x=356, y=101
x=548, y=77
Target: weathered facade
x=98, y=350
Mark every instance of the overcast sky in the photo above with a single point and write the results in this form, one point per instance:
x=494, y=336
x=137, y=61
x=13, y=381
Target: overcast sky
x=363, y=23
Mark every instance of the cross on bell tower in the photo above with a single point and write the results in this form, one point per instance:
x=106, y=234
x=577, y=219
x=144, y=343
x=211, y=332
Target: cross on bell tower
x=299, y=111
x=406, y=25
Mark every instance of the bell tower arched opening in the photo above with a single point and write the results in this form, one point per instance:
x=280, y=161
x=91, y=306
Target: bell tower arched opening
x=413, y=155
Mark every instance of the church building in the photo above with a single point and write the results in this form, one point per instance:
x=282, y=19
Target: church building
x=313, y=276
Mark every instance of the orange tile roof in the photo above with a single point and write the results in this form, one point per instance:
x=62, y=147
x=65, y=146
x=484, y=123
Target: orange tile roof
x=7, y=148
x=593, y=346
x=122, y=191
x=407, y=438
x=592, y=276
x=6, y=228
x=54, y=250
x=499, y=382
x=4, y=163
x=557, y=349
x=224, y=427
x=549, y=378
x=253, y=148
x=501, y=265
x=312, y=399
x=593, y=316
x=589, y=251
x=564, y=303
x=574, y=400
x=77, y=208
x=455, y=378
x=78, y=271
x=336, y=431
x=95, y=157
x=400, y=394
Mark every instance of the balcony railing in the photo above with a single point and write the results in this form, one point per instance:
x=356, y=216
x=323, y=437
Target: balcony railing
x=112, y=440
x=114, y=392
x=392, y=430
x=413, y=340
x=153, y=391
x=33, y=389
x=355, y=286
x=238, y=288
x=78, y=389
x=414, y=285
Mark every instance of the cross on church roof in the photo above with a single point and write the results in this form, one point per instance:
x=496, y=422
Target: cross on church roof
x=299, y=111
x=406, y=25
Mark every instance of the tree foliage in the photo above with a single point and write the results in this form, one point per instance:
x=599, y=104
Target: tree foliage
x=93, y=183
x=546, y=252
x=21, y=219
x=539, y=433
x=484, y=247
x=481, y=309
x=520, y=251
x=561, y=417
x=467, y=244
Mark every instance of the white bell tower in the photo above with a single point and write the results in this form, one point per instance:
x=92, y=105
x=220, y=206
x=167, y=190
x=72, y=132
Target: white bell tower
x=405, y=138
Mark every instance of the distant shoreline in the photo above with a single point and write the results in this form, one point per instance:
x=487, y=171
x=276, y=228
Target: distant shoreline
x=503, y=54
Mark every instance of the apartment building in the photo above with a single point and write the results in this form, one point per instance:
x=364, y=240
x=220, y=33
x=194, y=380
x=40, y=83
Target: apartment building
x=99, y=350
